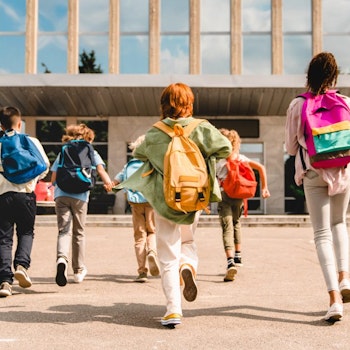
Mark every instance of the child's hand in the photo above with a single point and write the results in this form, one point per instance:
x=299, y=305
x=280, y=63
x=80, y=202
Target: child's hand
x=108, y=186
x=265, y=193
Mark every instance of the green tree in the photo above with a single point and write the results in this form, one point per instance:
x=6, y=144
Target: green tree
x=88, y=63
x=47, y=70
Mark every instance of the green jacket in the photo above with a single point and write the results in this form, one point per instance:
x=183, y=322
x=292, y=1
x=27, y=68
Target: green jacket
x=210, y=141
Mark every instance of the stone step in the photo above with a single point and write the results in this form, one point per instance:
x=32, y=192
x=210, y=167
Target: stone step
x=111, y=220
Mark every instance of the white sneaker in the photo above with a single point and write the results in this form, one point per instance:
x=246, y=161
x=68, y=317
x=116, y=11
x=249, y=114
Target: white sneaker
x=344, y=287
x=334, y=313
x=79, y=277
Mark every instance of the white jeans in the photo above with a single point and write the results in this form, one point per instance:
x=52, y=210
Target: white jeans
x=328, y=217
x=175, y=247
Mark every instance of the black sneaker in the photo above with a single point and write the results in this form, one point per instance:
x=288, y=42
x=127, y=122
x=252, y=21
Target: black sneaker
x=61, y=275
x=238, y=261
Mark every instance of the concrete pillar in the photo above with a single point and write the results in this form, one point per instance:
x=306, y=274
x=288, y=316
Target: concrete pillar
x=154, y=36
x=236, y=37
x=31, y=37
x=73, y=37
x=317, y=34
x=114, y=36
x=195, y=54
x=277, y=37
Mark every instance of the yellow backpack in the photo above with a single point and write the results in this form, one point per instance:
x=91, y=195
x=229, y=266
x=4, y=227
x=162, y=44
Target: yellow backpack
x=186, y=181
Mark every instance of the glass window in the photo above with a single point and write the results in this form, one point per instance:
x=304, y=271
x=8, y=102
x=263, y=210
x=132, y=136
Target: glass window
x=215, y=53
x=174, y=47
x=98, y=44
x=134, y=54
x=134, y=37
x=53, y=15
x=215, y=37
x=50, y=133
x=52, y=39
x=297, y=53
x=15, y=47
x=94, y=16
x=134, y=16
x=295, y=20
x=171, y=23
x=256, y=15
x=335, y=16
x=339, y=46
x=257, y=54
x=215, y=16
x=13, y=16
x=174, y=54
x=297, y=36
x=52, y=54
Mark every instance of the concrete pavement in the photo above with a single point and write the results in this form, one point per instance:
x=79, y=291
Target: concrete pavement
x=276, y=302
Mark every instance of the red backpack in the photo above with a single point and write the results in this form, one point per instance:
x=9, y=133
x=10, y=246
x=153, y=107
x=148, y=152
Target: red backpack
x=240, y=181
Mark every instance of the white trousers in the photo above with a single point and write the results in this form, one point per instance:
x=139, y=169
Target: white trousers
x=175, y=247
x=328, y=217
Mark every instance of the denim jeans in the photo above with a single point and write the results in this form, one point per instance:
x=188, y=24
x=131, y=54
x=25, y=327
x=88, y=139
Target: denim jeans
x=16, y=209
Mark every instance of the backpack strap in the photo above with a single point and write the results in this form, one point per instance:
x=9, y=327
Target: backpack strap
x=170, y=131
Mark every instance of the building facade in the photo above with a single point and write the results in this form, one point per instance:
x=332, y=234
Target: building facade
x=244, y=59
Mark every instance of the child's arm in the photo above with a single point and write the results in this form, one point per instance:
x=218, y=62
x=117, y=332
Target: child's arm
x=262, y=173
x=107, y=182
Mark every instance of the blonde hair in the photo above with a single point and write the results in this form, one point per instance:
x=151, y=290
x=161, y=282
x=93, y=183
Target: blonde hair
x=137, y=142
x=78, y=132
x=234, y=138
x=177, y=101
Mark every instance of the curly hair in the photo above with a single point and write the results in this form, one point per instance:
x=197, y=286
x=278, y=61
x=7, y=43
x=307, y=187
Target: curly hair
x=233, y=137
x=78, y=132
x=177, y=101
x=322, y=73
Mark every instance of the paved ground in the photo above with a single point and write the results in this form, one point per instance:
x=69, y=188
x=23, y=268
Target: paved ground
x=276, y=302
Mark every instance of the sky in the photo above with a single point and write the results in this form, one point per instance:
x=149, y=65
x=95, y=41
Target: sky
x=215, y=41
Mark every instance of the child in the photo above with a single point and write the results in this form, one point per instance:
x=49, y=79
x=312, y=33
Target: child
x=17, y=208
x=176, y=248
x=143, y=220
x=71, y=209
x=230, y=209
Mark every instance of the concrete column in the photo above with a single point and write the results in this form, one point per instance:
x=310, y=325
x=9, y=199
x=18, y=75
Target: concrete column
x=277, y=37
x=236, y=37
x=154, y=36
x=195, y=55
x=31, y=37
x=317, y=34
x=114, y=36
x=73, y=37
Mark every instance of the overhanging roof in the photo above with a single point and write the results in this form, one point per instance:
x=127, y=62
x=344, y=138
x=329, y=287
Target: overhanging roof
x=138, y=95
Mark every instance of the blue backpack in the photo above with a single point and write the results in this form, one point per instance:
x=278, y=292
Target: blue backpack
x=76, y=171
x=21, y=161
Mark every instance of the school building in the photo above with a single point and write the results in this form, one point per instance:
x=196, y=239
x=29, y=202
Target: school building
x=244, y=59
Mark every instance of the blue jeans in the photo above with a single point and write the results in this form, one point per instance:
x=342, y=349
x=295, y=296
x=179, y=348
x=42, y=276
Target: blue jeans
x=16, y=209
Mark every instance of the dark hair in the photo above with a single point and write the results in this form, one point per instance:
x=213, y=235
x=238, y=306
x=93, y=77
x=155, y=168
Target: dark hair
x=9, y=116
x=322, y=73
x=177, y=101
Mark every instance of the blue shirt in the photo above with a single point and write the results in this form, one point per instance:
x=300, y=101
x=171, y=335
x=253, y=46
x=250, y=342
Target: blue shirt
x=81, y=196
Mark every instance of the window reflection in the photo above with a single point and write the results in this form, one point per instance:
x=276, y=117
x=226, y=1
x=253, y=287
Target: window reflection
x=174, y=54
x=256, y=15
x=297, y=53
x=257, y=54
x=134, y=16
x=15, y=47
x=134, y=54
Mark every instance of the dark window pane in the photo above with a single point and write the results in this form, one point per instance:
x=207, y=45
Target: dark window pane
x=50, y=130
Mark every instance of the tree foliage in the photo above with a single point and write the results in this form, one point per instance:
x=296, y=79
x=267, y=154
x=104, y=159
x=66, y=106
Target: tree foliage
x=88, y=63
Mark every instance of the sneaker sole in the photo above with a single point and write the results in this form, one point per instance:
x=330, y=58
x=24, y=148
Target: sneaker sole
x=334, y=318
x=190, y=289
x=230, y=274
x=153, y=267
x=171, y=323
x=22, y=279
x=61, y=279
x=345, y=293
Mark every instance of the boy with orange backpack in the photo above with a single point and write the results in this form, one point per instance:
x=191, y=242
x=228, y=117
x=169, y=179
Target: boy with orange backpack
x=230, y=209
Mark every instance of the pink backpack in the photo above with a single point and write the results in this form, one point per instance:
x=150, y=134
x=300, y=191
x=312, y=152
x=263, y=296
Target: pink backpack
x=326, y=121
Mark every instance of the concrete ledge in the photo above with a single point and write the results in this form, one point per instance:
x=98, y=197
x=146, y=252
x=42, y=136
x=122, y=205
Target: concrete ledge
x=205, y=220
